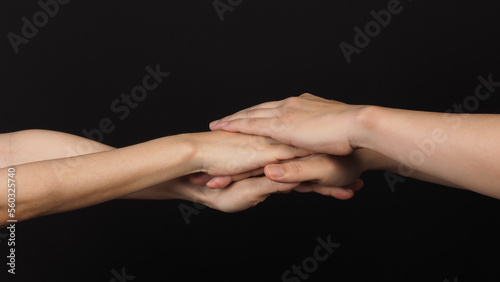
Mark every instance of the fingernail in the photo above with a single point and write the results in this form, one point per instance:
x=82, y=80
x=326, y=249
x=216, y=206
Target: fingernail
x=223, y=123
x=275, y=171
x=210, y=182
x=213, y=123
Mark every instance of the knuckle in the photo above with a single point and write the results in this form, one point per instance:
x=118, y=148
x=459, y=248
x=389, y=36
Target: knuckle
x=292, y=100
x=232, y=165
x=248, y=113
x=277, y=125
x=252, y=122
x=294, y=168
x=278, y=112
x=265, y=131
x=294, y=148
x=278, y=187
x=329, y=164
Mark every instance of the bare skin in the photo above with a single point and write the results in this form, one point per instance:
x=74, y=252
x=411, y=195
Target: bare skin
x=57, y=172
x=458, y=150
x=65, y=172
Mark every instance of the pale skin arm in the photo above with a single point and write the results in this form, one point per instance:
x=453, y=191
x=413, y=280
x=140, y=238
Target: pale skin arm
x=28, y=146
x=338, y=171
x=336, y=176
x=50, y=185
x=35, y=145
x=465, y=154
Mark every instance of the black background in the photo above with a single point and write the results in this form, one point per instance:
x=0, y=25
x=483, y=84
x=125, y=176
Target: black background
x=428, y=58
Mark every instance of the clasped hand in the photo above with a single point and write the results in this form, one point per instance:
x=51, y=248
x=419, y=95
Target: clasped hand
x=285, y=141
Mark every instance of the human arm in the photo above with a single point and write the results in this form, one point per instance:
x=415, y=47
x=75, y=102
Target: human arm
x=62, y=184
x=237, y=196
x=459, y=149
x=463, y=151
x=329, y=175
x=338, y=172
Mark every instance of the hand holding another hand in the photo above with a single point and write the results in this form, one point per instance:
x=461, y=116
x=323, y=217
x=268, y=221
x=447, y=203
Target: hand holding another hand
x=336, y=176
x=235, y=161
x=308, y=122
x=237, y=196
x=220, y=153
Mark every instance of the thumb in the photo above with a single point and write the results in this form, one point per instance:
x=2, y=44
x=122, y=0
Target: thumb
x=320, y=168
x=291, y=171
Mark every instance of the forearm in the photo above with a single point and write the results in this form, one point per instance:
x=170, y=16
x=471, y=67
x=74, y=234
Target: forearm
x=80, y=180
x=27, y=146
x=458, y=149
x=60, y=185
x=371, y=160
x=34, y=145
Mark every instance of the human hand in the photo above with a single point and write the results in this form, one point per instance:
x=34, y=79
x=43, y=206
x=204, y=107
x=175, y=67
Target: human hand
x=320, y=168
x=336, y=176
x=328, y=175
x=238, y=196
x=308, y=122
x=222, y=153
x=247, y=193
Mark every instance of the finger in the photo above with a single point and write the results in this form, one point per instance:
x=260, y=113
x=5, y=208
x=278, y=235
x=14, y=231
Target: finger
x=200, y=179
x=219, y=182
x=336, y=192
x=255, y=113
x=311, y=97
x=341, y=193
x=214, y=125
x=280, y=153
x=355, y=186
x=222, y=181
x=287, y=152
x=254, y=126
x=256, y=190
x=314, y=168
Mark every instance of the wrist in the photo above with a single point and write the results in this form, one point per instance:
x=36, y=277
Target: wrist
x=179, y=152
x=196, y=160
x=362, y=127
